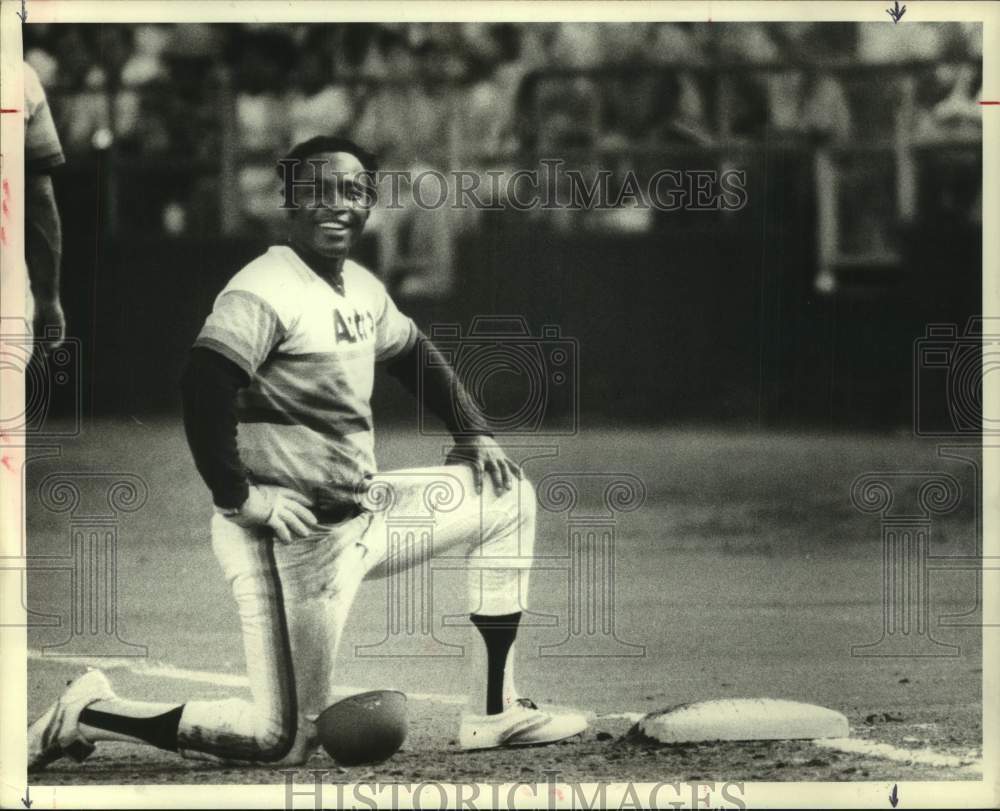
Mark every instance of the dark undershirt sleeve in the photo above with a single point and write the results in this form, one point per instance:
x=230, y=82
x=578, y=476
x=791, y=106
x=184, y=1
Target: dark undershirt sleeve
x=208, y=389
x=442, y=392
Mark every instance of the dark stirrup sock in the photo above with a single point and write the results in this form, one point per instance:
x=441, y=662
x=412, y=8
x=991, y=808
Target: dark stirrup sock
x=498, y=634
x=157, y=730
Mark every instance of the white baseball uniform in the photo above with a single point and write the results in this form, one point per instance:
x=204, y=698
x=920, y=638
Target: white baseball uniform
x=305, y=422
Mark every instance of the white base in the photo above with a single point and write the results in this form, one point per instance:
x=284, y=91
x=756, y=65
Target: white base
x=743, y=719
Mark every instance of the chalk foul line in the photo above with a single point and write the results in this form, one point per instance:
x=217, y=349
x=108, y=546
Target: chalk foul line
x=917, y=757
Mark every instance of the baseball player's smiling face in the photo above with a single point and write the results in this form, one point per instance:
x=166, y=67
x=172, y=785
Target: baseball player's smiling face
x=329, y=222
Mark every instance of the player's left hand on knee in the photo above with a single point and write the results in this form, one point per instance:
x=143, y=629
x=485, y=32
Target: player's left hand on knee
x=485, y=456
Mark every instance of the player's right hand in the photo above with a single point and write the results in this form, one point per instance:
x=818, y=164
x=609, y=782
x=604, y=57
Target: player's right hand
x=282, y=509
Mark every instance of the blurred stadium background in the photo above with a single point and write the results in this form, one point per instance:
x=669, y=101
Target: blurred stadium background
x=861, y=143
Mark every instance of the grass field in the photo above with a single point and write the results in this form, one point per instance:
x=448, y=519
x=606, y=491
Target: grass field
x=746, y=572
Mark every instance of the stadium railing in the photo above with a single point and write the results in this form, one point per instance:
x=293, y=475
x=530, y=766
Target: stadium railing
x=884, y=101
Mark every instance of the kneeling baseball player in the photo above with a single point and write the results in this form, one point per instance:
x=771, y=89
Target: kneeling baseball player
x=288, y=355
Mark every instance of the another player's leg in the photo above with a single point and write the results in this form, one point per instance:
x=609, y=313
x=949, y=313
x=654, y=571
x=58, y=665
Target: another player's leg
x=498, y=531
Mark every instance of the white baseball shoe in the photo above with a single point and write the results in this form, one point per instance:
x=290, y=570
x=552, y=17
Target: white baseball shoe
x=521, y=724
x=56, y=732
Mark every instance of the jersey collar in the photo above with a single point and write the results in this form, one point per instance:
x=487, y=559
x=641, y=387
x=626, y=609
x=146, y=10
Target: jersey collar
x=301, y=264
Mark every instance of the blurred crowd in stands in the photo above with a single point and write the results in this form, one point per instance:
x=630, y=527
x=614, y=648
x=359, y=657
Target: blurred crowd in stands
x=459, y=95
x=291, y=80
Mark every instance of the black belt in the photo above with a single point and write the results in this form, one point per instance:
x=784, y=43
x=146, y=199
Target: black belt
x=337, y=514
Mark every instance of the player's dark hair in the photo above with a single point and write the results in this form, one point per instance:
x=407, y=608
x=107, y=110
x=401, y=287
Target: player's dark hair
x=329, y=143
x=315, y=146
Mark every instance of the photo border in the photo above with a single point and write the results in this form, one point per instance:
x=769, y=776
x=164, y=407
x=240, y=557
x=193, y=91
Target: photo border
x=13, y=708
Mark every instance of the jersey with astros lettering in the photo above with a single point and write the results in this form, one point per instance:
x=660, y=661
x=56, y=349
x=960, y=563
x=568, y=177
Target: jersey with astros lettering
x=305, y=420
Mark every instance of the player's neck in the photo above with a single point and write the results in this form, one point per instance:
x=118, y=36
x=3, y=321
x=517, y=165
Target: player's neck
x=329, y=267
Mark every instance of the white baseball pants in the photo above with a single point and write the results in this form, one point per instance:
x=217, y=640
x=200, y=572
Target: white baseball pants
x=293, y=599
